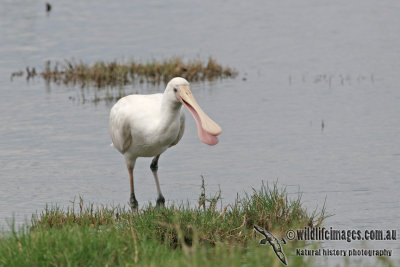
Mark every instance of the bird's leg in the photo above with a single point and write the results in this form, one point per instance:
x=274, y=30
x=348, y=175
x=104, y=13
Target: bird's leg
x=154, y=168
x=132, y=202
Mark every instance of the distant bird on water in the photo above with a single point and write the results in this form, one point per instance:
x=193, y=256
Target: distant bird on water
x=48, y=7
x=147, y=125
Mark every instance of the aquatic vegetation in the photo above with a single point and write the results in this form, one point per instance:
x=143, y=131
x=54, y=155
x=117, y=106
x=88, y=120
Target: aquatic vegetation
x=333, y=80
x=114, y=73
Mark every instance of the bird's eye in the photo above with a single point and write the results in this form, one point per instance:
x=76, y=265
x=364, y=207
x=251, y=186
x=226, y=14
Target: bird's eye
x=175, y=90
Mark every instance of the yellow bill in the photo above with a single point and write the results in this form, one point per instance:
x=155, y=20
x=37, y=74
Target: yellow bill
x=207, y=129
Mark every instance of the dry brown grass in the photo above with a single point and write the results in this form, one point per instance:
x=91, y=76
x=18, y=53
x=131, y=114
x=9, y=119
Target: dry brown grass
x=114, y=73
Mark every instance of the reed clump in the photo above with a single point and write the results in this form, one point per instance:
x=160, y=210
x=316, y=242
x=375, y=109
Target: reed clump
x=114, y=73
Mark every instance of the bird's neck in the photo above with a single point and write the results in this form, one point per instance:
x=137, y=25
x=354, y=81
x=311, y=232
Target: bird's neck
x=170, y=112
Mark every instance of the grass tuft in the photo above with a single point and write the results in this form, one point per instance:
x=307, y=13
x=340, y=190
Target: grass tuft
x=114, y=73
x=178, y=235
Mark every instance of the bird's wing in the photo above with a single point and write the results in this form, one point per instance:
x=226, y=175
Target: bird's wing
x=276, y=245
x=259, y=229
x=264, y=232
x=278, y=250
x=119, y=128
x=273, y=241
x=130, y=115
x=181, y=129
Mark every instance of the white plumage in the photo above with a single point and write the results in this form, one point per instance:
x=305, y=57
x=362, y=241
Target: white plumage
x=147, y=125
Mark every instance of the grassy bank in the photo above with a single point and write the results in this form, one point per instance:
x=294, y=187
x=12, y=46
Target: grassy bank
x=178, y=235
x=114, y=73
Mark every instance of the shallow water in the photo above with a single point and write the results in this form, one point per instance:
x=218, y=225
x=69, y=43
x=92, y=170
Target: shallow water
x=315, y=107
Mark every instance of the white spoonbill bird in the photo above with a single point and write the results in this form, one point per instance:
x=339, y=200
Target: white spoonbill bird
x=147, y=125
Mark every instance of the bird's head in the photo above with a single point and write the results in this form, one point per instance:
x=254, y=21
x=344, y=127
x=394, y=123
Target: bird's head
x=207, y=129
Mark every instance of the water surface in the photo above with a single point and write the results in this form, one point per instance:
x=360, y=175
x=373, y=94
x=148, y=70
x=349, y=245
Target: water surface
x=315, y=107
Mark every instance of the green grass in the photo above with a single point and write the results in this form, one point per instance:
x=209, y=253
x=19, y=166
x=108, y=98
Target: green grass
x=114, y=73
x=178, y=235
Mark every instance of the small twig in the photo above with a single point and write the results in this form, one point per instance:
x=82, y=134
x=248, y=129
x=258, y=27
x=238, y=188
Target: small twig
x=244, y=221
x=202, y=198
x=223, y=211
x=135, y=243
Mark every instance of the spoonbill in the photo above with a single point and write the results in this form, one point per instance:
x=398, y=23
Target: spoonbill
x=147, y=125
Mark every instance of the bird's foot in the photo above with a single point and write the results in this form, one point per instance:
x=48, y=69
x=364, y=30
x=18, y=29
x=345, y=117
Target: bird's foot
x=133, y=203
x=160, y=202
